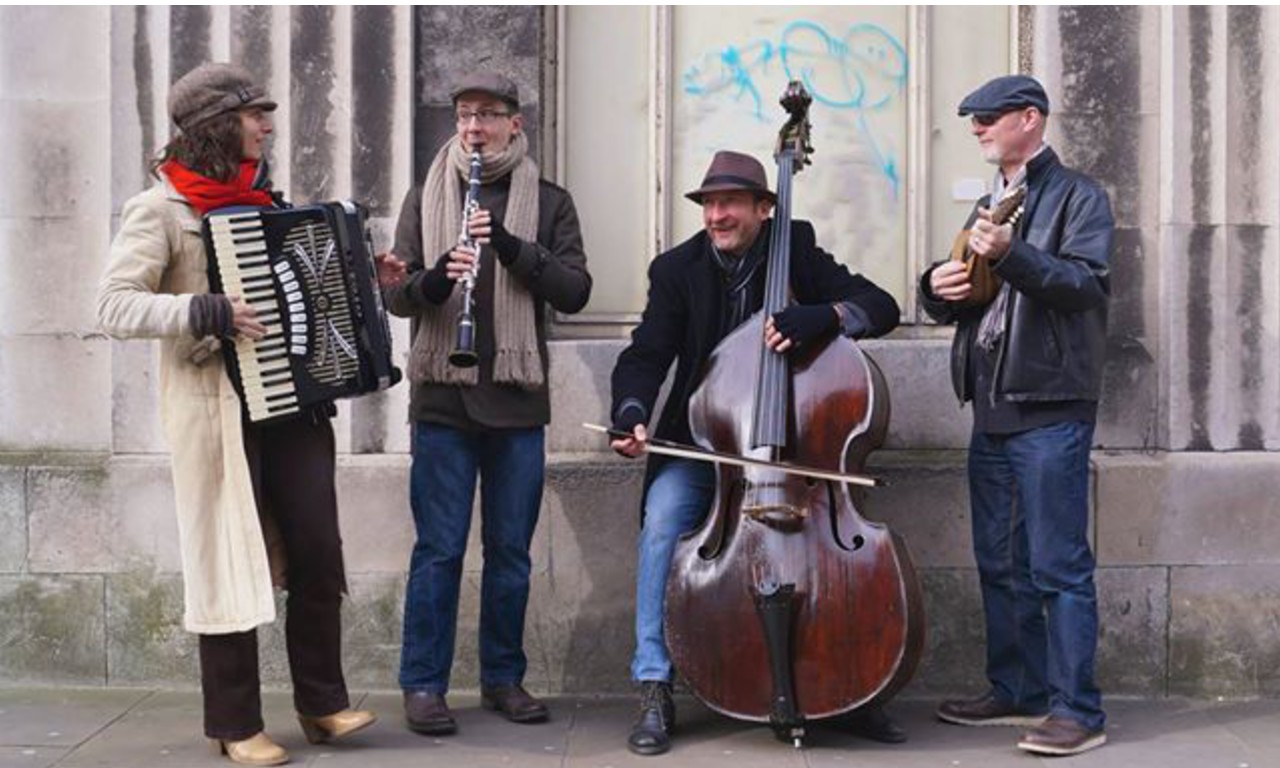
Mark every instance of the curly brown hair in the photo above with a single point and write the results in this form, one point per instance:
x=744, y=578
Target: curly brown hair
x=212, y=148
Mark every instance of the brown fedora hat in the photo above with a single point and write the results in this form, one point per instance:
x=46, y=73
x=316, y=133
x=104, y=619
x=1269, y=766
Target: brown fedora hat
x=731, y=171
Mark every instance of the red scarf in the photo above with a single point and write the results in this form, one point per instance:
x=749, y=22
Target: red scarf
x=206, y=194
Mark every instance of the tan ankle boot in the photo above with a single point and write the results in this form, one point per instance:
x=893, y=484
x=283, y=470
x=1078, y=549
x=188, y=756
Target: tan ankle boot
x=258, y=749
x=329, y=727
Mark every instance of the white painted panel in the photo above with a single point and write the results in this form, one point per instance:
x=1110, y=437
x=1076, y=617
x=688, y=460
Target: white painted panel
x=607, y=163
x=730, y=67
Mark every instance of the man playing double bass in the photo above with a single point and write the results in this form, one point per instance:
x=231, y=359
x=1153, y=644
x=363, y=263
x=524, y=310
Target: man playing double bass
x=1031, y=363
x=699, y=292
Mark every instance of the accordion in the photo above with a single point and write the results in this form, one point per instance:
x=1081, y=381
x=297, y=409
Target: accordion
x=309, y=274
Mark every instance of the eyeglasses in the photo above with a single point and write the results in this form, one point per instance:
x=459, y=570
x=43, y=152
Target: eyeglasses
x=484, y=116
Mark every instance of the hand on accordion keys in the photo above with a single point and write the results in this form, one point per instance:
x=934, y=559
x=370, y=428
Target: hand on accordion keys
x=391, y=270
x=244, y=319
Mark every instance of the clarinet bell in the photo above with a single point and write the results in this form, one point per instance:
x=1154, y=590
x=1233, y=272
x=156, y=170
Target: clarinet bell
x=464, y=352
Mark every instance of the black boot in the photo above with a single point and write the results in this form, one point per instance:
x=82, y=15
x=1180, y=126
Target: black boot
x=872, y=722
x=651, y=733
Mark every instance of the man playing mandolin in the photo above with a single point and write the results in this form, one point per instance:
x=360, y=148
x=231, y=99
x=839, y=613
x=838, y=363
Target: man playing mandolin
x=1031, y=360
x=699, y=292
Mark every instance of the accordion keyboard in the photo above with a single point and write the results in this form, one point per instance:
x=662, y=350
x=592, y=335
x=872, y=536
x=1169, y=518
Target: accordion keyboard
x=266, y=375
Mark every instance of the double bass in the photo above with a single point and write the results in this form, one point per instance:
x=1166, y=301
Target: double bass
x=786, y=606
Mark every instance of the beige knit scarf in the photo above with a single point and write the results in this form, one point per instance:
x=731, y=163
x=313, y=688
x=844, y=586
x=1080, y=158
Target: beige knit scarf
x=516, y=357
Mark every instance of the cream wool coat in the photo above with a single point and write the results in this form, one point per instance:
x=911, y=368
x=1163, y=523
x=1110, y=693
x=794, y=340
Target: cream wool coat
x=157, y=264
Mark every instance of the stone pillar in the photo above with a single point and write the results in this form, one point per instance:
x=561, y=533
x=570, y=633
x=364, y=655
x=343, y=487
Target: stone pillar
x=55, y=209
x=1219, y=247
x=1099, y=65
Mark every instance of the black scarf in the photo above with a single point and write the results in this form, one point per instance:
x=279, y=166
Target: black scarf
x=742, y=293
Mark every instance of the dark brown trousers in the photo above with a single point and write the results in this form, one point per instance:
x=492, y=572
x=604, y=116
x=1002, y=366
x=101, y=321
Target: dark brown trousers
x=292, y=466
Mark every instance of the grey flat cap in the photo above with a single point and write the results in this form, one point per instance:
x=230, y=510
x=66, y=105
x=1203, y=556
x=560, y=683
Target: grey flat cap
x=1004, y=94
x=492, y=83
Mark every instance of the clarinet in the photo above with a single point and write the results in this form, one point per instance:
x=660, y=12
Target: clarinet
x=464, y=350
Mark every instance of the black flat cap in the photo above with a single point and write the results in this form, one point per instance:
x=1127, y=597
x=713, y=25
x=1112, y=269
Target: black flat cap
x=490, y=83
x=1004, y=94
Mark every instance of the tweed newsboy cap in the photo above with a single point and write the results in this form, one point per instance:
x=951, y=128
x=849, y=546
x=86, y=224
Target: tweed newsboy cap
x=733, y=171
x=212, y=89
x=492, y=83
x=1004, y=94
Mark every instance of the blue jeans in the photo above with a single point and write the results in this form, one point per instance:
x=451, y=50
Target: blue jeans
x=442, y=488
x=1029, y=495
x=677, y=500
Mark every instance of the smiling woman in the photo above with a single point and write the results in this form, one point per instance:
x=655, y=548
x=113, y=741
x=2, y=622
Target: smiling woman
x=255, y=127
x=226, y=468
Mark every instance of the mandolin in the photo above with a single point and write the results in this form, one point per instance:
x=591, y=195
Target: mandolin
x=986, y=283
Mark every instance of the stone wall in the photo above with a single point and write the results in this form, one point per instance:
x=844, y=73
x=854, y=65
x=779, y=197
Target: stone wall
x=1173, y=109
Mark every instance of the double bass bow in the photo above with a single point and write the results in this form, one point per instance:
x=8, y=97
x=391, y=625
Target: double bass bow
x=786, y=606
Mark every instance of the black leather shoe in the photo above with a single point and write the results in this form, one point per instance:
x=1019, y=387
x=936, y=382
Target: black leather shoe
x=651, y=733
x=875, y=724
x=514, y=703
x=426, y=713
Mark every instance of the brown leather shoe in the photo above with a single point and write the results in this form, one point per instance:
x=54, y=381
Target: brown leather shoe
x=1061, y=736
x=426, y=713
x=258, y=749
x=514, y=703
x=986, y=710
x=321, y=730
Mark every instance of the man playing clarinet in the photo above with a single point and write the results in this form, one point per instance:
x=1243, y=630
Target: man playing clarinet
x=487, y=419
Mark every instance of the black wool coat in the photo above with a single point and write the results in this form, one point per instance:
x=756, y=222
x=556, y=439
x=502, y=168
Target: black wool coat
x=681, y=320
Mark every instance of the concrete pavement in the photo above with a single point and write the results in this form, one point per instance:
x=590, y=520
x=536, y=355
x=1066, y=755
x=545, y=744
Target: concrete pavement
x=137, y=728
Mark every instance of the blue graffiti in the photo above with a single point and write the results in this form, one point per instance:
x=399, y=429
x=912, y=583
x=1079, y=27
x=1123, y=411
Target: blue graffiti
x=863, y=72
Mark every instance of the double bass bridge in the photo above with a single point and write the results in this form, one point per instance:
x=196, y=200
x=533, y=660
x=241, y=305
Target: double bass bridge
x=767, y=504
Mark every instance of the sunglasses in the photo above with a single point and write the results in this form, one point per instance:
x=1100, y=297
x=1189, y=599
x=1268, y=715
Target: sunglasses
x=988, y=119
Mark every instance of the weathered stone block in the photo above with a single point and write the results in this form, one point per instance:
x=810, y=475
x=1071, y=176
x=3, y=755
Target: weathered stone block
x=54, y=393
x=146, y=643
x=62, y=174
x=111, y=517
x=954, y=660
x=926, y=501
x=373, y=509
x=1128, y=409
x=372, y=619
x=1133, y=625
x=135, y=399
x=1223, y=631
x=1176, y=509
x=579, y=381
x=48, y=50
x=52, y=630
x=35, y=271
x=581, y=620
x=13, y=519
x=925, y=411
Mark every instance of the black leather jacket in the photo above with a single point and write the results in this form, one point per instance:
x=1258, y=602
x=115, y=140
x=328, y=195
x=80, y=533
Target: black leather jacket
x=1059, y=267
